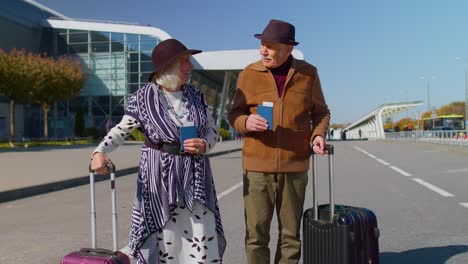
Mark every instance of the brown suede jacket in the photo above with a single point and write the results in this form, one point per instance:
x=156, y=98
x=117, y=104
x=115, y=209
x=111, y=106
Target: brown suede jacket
x=298, y=116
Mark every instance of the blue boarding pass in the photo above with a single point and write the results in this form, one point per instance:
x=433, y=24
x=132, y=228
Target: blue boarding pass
x=187, y=132
x=266, y=111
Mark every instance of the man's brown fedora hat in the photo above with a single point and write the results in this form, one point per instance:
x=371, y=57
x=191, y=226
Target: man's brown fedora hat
x=278, y=31
x=165, y=52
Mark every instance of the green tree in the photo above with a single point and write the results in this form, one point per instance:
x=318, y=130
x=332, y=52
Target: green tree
x=224, y=124
x=56, y=81
x=454, y=108
x=15, y=80
x=405, y=123
x=339, y=126
x=388, y=124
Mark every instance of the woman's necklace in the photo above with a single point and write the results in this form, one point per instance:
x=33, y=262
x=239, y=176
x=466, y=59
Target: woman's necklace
x=169, y=106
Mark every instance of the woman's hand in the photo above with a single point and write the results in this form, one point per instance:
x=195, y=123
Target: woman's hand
x=98, y=163
x=195, y=146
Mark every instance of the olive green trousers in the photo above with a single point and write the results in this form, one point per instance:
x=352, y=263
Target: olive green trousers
x=263, y=192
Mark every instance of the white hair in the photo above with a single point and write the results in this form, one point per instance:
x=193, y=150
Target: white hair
x=169, y=77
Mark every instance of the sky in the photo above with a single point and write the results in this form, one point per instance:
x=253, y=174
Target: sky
x=367, y=52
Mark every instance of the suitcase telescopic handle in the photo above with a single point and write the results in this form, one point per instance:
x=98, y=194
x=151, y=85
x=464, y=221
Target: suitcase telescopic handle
x=111, y=168
x=331, y=151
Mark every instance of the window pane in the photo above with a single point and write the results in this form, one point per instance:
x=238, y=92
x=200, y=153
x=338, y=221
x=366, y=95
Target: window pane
x=61, y=45
x=134, y=77
x=133, y=57
x=145, y=76
x=147, y=38
x=100, y=47
x=73, y=31
x=117, y=37
x=133, y=87
x=146, y=55
x=78, y=38
x=147, y=46
x=132, y=46
x=117, y=46
x=79, y=48
x=99, y=36
x=132, y=38
x=147, y=66
x=133, y=67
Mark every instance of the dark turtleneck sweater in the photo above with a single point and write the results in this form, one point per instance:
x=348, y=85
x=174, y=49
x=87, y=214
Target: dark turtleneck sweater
x=280, y=73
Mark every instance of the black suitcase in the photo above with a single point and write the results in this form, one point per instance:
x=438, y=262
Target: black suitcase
x=338, y=234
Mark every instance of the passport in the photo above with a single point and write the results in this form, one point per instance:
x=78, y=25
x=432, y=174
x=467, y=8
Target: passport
x=187, y=132
x=267, y=113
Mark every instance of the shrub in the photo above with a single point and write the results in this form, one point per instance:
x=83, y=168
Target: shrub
x=224, y=134
x=137, y=135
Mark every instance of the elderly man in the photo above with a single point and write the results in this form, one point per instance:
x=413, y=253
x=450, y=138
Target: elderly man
x=276, y=153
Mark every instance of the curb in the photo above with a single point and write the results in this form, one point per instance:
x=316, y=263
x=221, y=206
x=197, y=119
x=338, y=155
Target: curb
x=26, y=192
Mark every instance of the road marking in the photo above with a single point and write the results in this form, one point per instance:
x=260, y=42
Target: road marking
x=230, y=190
x=365, y=152
x=402, y=172
x=383, y=162
x=464, y=205
x=431, y=151
x=433, y=187
x=456, y=170
x=424, y=183
x=360, y=149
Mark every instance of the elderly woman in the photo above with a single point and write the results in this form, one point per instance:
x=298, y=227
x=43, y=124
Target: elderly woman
x=175, y=217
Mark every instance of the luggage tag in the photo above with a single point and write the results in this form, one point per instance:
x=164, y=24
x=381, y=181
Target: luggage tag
x=266, y=111
x=187, y=131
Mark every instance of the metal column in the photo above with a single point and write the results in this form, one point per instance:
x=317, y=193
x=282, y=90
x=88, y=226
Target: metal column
x=224, y=93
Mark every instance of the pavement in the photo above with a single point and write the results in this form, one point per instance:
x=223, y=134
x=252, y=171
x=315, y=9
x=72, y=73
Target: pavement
x=27, y=172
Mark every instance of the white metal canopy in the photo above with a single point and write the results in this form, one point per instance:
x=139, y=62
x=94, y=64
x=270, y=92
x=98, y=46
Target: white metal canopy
x=371, y=125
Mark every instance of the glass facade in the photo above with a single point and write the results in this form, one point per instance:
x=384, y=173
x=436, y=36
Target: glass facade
x=117, y=64
x=210, y=84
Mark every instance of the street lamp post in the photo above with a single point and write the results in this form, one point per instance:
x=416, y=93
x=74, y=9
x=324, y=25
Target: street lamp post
x=466, y=99
x=466, y=91
x=428, y=95
x=428, y=86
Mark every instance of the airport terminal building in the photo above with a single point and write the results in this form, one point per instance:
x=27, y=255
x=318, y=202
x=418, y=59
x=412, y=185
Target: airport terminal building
x=118, y=59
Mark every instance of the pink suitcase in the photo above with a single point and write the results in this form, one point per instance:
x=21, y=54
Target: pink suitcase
x=98, y=255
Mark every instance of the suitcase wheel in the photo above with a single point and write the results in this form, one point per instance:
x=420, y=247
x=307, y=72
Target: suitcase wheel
x=376, y=233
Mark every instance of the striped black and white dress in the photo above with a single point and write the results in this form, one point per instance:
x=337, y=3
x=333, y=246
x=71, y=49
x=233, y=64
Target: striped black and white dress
x=175, y=216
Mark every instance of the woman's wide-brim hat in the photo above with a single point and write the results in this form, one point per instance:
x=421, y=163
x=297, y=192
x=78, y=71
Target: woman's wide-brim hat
x=165, y=52
x=278, y=31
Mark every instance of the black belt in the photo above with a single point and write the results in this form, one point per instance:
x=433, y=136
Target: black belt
x=171, y=148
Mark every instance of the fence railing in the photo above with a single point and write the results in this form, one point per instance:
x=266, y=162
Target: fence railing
x=448, y=137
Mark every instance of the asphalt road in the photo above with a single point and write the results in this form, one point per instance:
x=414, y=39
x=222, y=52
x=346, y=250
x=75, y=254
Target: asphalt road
x=419, y=193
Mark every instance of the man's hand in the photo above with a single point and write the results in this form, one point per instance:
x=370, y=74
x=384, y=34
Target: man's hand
x=256, y=123
x=318, y=145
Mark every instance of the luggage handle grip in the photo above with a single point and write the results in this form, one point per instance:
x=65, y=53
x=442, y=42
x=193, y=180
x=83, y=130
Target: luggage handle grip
x=331, y=151
x=111, y=168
